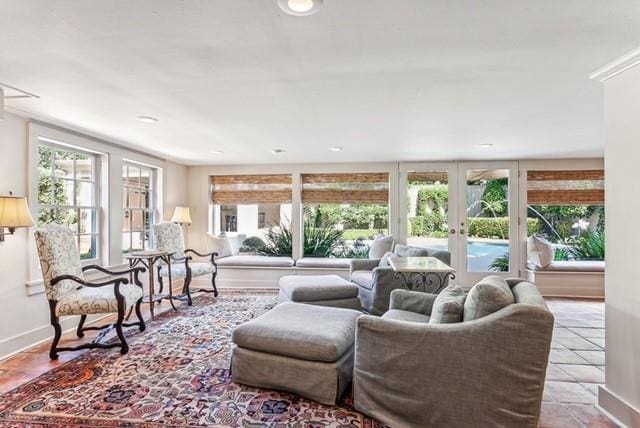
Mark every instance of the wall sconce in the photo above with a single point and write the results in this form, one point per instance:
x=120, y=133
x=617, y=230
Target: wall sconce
x=181, y=216
x=14, y=213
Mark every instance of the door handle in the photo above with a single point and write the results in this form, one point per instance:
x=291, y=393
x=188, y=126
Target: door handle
x=452, y=232
x=461, y=231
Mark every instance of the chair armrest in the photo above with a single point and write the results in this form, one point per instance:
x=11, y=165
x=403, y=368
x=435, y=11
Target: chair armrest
x=212, y=254
x=114, y=281
x=412, y=301
x=134, y=272
x=363, y=264
x=181, y=258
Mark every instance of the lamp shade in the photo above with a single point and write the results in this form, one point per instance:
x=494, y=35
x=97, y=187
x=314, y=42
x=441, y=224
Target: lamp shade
x=14, y=212
x=181, y=215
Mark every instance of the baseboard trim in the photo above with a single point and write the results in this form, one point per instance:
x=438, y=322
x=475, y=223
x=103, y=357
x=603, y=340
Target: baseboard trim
x=617, y=408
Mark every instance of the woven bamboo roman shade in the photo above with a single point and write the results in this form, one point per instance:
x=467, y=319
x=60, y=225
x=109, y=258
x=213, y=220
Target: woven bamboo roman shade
x=570, y=187
x=251, y=189
x=346, y=188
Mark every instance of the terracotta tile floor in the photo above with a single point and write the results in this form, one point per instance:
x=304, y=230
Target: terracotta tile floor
x=576, y=365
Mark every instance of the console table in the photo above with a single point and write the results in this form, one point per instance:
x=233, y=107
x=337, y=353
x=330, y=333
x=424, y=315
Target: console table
x=426, y=274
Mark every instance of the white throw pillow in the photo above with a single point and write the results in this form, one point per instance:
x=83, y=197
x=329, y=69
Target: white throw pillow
x=540, y=252
x=222, y=246
x=380, y=246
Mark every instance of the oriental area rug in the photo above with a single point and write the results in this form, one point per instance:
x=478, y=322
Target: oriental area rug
x=176, y=374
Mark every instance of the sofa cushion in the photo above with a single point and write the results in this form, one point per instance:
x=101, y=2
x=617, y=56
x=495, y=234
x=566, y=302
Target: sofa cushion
x=323, y=262
x=540, y=252
x=384, y=261
x=448, y=307
x=486, y=297
x=222, y=246
x=406, y=251
x=256, y=261
x=307, y=332
x=380, y=246
x=400, y=315
x=301, y=288
x=362, y=278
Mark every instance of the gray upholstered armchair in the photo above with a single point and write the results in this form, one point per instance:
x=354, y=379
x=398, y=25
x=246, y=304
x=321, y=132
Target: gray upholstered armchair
x=486, y=372
x=376, y=279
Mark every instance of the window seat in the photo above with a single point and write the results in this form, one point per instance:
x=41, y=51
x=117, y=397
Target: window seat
x=574, y=266
x=323, y=262
x=254, y=261
x=571, y=278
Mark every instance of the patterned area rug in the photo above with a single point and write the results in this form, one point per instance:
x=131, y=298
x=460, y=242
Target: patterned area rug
x=175, y=374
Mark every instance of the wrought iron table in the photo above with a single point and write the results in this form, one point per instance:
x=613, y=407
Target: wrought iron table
x=426, y=274
x=148, y=259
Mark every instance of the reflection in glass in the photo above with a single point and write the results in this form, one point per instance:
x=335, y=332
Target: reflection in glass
x=428, y=209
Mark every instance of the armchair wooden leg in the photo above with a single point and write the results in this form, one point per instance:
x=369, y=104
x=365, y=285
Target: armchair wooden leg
x=139, y=315
x=213, y=283
x=123, y=341
x=79, y=331
x=57, y=331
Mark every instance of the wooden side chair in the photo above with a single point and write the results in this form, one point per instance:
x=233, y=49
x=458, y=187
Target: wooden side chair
x=70, y=294
x=169, y=238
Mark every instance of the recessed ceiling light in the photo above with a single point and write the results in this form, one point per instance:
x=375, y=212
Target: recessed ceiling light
x=147, y=119
x=300, y=7
x=336, y=149
x=278, y=151
x=486, y=145
x=217, y=152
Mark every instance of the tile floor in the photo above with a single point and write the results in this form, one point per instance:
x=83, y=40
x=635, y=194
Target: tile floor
x=576, y=365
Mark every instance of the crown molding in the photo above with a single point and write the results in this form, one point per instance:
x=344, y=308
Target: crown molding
x=617, y=66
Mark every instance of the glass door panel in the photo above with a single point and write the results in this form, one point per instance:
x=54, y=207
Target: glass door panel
x=488, y=220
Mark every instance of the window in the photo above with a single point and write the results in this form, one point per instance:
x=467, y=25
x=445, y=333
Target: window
x=67, y=194
x=138, y=206
x=428, y=209
x=255, y=211
x=343, y=213
x=567, y=207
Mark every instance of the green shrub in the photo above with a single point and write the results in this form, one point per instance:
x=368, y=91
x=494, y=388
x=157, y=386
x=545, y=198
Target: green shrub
x=432, y=197
x=417, y=226
x=561, y=254
x=355, y=234
x=500, y=264
x=252, y=244
x=589, y=246
x=495, y=197
x=497, y=227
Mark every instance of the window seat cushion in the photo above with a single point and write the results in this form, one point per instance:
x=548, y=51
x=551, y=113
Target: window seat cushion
x=323, y=262
x=254, y=261
x=574, y=266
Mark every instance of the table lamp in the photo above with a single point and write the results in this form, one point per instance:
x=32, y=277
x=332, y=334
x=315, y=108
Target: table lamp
x=181, y=215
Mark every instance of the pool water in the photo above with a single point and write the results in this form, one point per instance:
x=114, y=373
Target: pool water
x=480, y=253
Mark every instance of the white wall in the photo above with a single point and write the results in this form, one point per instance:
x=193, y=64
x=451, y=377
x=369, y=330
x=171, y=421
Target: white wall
x=24, y=318
x=621, y=394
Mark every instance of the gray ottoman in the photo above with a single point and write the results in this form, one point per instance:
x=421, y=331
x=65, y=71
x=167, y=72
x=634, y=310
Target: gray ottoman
x=304, y=349
x=320, y=290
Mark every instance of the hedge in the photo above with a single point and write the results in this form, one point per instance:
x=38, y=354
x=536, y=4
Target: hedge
x=354, y=234
x=497, y=227
x=437, y=194
x=417, y=226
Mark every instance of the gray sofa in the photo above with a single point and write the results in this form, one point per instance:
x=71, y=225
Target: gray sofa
x=376, y=280
x=485, y=372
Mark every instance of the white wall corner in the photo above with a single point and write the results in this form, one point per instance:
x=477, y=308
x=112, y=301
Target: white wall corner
x=617, y=66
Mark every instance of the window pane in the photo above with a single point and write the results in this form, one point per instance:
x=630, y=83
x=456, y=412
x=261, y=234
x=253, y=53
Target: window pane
x=126, y=220
x=137, y=222
x=137, y=241
x=133, y=178
x=145, y=178
x=145, y=201
x=45, y=158
x=84, y=167
x=45, y=216
x=343, y=230
x=63, y=164
x=428, y=209
x=67, y=217
x=45, y=190
x=134, y=198
x=126, y=242
x=229, y=218
x=88, y=246
x=63, y=192
x=88, y=221
x=84, y=194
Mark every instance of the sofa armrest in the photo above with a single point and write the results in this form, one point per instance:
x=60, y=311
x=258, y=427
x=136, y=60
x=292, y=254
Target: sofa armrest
x=485, y=363
x=363, y=264
x=412, y=301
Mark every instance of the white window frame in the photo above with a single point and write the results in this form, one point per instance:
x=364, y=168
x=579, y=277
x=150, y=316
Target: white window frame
x=153, y=209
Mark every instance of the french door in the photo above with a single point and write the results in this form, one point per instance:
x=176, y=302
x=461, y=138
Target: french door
x=467, y=208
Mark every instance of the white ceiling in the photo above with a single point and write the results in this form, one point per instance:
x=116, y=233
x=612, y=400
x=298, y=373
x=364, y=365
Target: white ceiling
x=386, y=80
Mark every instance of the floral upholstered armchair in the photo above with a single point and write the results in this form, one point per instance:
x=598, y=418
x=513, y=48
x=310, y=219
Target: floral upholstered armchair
x=169, y=238
x=69, y=293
